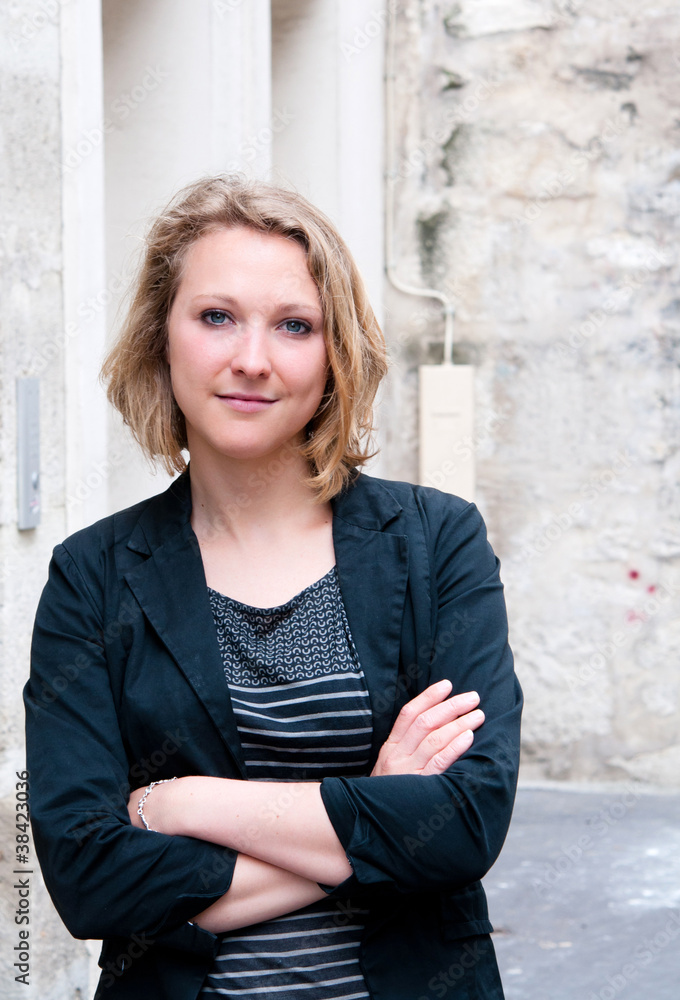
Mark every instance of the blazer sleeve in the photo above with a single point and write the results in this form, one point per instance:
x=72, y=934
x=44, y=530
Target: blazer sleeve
x=106, y=878
x=413, y=832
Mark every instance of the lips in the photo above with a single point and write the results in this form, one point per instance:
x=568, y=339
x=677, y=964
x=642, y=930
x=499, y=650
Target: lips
x=246, y=403
x=245, y=395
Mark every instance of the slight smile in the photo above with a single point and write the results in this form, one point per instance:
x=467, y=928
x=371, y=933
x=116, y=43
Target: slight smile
x=246, y=403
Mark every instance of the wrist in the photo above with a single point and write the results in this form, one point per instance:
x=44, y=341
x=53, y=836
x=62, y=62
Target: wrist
x=154, y=806
x=187, y=803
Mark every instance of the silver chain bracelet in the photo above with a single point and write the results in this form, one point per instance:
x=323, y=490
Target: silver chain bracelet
x=140, y=807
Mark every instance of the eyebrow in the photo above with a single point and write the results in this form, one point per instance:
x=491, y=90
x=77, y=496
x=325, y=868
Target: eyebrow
x=227, y=300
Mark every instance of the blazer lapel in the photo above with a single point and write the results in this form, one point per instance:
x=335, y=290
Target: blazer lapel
x=373, y=567
x=171, y=589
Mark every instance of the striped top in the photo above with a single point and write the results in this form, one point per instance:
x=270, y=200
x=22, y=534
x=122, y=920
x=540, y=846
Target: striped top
x=303, y=713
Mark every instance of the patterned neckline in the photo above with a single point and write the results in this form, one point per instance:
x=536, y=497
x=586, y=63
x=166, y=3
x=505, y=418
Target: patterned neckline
x=329, y=577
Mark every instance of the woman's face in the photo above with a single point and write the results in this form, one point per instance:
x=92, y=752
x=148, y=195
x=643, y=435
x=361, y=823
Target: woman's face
x=246, y=348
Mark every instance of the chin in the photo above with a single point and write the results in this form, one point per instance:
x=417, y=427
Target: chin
x=256, y=451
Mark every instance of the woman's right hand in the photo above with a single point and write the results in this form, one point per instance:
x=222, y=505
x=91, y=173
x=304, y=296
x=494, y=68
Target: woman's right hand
x=431, y=732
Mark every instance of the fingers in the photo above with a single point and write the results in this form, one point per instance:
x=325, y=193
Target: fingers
x=443, y=760
x=431, y=696
x=431, y=732
x=424, y=715
x=453, y=708
x=439, y=738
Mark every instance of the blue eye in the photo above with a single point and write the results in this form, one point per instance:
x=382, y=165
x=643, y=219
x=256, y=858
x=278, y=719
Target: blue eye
x=297, y=326
x=215, y=317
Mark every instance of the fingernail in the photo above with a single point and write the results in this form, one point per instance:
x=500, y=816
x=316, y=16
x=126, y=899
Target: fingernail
x=470, y=696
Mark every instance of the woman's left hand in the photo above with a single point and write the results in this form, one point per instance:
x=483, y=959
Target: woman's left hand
x=431, y=732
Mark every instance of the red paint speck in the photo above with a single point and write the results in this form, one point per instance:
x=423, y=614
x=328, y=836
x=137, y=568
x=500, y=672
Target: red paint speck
x=633, y=574
x=651, y=588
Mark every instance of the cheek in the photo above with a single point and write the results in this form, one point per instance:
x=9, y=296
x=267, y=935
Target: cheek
x=321, y=368
x=316, y=385
x=190, y=362
x=304, y=373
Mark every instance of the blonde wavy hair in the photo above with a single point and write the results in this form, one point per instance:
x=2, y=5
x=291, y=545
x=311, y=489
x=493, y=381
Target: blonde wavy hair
x=136, y=371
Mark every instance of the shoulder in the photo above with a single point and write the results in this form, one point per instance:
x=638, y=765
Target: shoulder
x=424, y=502
x=90, y=565
x=446, y=525
x=410, y=494
x=130, y=532
x=105, y=533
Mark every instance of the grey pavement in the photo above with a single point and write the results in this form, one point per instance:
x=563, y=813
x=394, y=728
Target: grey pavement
x=585, y=897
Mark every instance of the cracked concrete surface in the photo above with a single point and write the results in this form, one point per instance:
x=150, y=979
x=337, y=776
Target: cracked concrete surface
x=585, y=897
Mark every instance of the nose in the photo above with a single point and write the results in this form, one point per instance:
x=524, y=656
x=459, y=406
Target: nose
x=251, y=355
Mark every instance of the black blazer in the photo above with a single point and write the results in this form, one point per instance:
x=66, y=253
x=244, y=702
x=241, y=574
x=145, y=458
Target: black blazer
x=127, y=686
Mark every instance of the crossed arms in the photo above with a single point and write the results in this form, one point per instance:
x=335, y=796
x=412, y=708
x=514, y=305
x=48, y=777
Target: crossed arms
x=281, y=861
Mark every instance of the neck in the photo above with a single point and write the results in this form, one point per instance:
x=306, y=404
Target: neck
x=237, y=497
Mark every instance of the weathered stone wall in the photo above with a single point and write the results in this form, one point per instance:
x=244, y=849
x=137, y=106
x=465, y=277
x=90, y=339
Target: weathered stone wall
x=539, y=184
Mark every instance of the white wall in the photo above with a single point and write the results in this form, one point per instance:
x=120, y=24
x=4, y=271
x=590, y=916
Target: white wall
x=84, y=278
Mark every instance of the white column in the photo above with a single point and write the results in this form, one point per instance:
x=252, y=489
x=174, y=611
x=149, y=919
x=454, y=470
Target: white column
x=327, y=85
x=242, y=126
x=187, y=93
x=360, y=116
x=85, y=293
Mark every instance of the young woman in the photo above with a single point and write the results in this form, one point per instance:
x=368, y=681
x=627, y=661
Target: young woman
x=256, y=754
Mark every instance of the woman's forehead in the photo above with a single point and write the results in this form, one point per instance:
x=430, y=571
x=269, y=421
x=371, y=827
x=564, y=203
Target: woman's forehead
x=235, y=261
